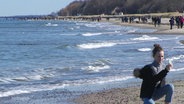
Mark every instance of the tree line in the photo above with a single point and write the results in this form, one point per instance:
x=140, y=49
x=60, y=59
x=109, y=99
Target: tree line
x=97, y=7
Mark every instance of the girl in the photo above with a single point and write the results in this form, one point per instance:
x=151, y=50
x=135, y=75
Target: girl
x=153, y=85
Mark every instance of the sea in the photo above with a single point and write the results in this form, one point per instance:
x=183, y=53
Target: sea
x=78, y=56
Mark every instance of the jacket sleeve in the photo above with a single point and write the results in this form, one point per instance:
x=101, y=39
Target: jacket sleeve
x=148, y=74
x=143, y=72
x=160, y=75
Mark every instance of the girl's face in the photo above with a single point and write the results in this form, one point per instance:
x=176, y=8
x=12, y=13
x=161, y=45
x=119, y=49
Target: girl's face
x=159, y=57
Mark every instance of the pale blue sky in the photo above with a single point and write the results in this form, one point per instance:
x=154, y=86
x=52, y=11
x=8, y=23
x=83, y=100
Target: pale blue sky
x=31, y=7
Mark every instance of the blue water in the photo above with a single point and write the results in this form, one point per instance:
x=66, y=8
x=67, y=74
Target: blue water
x=40, y=56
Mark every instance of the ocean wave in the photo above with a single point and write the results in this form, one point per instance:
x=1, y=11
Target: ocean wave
x=98, y=65
x=91, y=34
x=13, y=92
x=6, y=80
x=34, y=75
x=104, y=44
x=90, y=25
x=50, y=24
x=131, y=31
x=103, y=33
x=179, y=47
x=144, y=49
x=37, y=74
x=145, y=37
x=178, y=69
x=48, y=87
x=97, y=68
x=175, y=58
x=96, y=45
x=99, y=25
x=25, y=78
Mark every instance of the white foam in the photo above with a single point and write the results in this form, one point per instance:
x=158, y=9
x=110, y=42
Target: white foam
x=96, y=45
x=12, y=92
x=20, y=79
x=50, y=24
x=103, y=33
x=91, y=34
x=113, y=79
x=90, y=25
x=30, y=77
x=35, y=77
x=97, y=68
x=145, y=37
x=65, y=84
x=131, y=31
x=179, y=47
x=31, y=89
x=6, y=80
x=175, y=58
x=144, y=49
x=104, y=44
x=179, y=69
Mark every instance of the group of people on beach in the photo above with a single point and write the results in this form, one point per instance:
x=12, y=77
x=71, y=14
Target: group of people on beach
x=179, y=22
x=126, y=19
x=153, y=75
x=156, y=21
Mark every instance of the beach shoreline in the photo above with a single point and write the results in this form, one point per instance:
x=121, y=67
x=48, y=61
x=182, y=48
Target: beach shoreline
x=163, y=28
x=128, y=95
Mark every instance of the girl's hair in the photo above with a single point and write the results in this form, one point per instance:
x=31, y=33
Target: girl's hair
x=157, y=48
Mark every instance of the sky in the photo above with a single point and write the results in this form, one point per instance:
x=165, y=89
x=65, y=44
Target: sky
x=31, y=7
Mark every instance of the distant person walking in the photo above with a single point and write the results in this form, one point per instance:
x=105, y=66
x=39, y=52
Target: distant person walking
x=154, y=20
x=153, y=85
x=159, y=20
x=171, y=21
x=181, y=21
x=177, y=19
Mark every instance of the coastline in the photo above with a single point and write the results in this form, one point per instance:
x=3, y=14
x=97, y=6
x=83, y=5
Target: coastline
x=129, y=95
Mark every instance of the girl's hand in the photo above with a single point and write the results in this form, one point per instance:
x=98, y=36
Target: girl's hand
x=169, y=67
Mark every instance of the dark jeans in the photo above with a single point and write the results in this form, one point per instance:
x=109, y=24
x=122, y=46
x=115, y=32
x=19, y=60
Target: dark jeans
x=166, y=90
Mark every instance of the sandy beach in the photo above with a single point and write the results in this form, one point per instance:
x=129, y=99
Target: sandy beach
x=163, y=28
x=130, y=95
x=127, y=96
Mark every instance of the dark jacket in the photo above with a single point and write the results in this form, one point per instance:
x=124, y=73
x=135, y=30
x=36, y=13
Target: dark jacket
x=150, y=80
x=171, y=21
